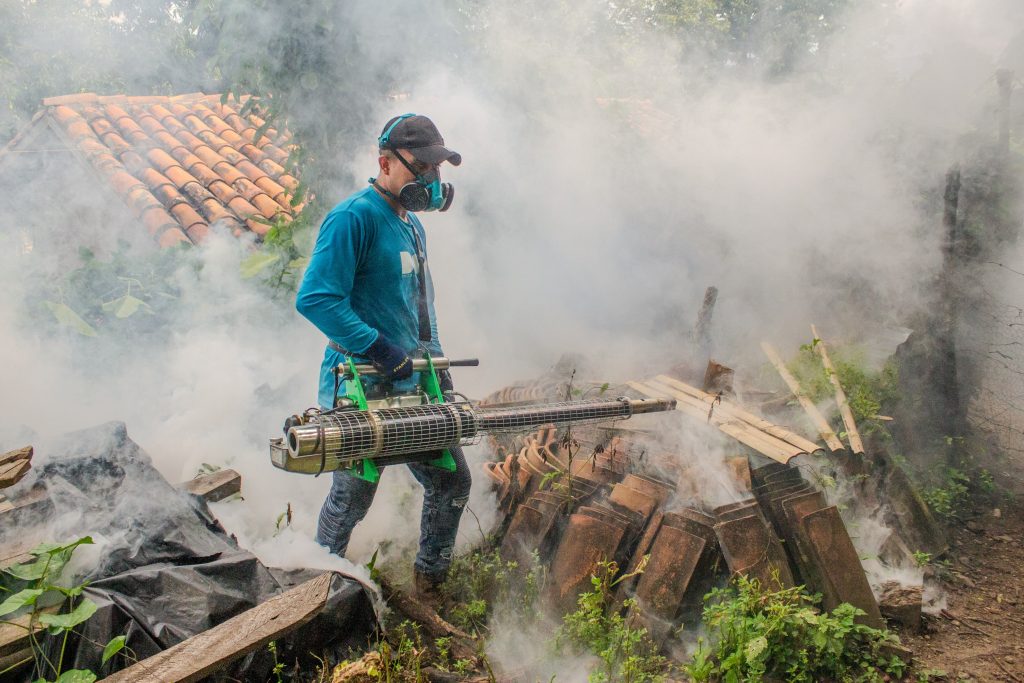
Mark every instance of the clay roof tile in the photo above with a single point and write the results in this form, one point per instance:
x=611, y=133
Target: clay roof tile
x=186, y=215
x=268, y=208
x=229, y=173
x=186, y=158
x=172, y=238
x=250, y=169
x=101, y=126
x=182, y=163
x=179, y=176
x=290, y=182
x=209, y=157
x=160, y=159
x=275, y=153
x=275, y=191
x=204, y=173
x=224, y=192
x=116, y=143
x=168, y=141
x=271, y=167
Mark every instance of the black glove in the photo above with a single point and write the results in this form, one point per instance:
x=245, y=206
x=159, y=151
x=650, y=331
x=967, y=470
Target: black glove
x=444, y=379
x=389, y=360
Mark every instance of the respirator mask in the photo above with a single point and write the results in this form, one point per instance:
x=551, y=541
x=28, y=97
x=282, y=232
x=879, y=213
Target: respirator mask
x=427, y=192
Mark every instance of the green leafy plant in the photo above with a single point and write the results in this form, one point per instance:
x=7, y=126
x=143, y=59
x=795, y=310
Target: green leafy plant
x=782, y=635
x=625, y=650
x=480, y=581
x=951, y=496
x=32, y=586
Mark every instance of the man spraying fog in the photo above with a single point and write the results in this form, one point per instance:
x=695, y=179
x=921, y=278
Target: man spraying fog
x=369, y=290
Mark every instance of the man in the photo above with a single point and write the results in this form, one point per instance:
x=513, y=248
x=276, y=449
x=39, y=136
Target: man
x=368, y=289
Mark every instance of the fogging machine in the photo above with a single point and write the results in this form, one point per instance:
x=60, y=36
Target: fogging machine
x=363, y=434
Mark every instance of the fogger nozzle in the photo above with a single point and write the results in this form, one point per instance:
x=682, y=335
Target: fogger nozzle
x=336, y=439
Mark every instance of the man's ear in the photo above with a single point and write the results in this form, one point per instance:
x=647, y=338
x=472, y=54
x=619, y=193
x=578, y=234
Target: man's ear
x=385, y=164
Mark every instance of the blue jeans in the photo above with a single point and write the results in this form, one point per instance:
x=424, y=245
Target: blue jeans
x=445, y=495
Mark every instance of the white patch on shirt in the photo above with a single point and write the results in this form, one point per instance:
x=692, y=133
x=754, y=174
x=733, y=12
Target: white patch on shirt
x=408, y=263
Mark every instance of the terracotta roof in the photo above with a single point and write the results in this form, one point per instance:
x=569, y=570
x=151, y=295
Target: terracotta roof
x=181, y=163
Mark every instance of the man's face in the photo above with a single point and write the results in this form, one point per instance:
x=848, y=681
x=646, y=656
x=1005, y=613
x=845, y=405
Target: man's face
x=397, y=173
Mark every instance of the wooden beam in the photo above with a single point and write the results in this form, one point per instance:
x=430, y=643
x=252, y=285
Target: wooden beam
x=14, y=633
x=214, y=486
x=852, y=433
x=212, y=650
x=765, y=444
x=817, y=419
x=733, y=410
x=14, y=465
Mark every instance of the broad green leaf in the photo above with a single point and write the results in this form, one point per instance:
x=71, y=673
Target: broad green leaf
x=755, y=647
x=66, y=316
x=85, y=609
x=258, y=262
x=115, y=645
x=33, y=571
x=52, y=548
x=76, y=676
x=19, y=600
x=126, y=306
x=298, y=264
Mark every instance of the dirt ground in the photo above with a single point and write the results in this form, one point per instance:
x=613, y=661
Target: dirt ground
x=980, y=635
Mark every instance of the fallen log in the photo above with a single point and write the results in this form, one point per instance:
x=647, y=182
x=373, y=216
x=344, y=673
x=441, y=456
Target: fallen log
x=209, y=651
x=817, y=419
x=852, y=434
x=463, y=646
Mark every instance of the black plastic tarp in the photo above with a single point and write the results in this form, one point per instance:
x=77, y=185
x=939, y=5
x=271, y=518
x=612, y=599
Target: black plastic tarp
x=168, y=570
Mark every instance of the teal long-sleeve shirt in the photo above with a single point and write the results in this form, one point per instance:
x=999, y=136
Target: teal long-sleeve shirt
x=361, y=282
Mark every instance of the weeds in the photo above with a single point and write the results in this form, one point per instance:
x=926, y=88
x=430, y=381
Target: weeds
x=626, y=651
x=30, y=586
x=782, y=635
x=481, y=581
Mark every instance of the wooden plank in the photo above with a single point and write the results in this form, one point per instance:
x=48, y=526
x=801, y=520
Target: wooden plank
x=747, y=435
x=852, y=433
x=14, y=633
x=34, y=504
x=819, y=421
x=211, y=650
x=214, y=486
x=733, y=410
x=11, y=473
x=14, y=465
x=765, y=443
x=19, y=454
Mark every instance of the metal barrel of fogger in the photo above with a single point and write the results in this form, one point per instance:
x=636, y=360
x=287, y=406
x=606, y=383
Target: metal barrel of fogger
x=335, y=439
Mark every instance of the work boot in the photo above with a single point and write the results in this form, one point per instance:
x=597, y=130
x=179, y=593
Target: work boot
x=428, y=590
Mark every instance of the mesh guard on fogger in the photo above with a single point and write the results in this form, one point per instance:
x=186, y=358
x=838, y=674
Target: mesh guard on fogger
x=332, y=440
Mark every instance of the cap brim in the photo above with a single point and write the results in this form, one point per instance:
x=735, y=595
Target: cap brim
x=435, y=154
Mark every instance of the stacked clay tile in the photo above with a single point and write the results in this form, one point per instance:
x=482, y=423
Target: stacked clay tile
x=670, y=543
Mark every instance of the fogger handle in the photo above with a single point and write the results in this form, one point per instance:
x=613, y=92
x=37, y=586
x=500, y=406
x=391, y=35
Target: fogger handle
x=418, y=365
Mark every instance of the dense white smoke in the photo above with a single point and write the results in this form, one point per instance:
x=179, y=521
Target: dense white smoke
x=608, y=179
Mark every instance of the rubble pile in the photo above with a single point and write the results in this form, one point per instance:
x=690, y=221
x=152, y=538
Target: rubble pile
x=582, y=496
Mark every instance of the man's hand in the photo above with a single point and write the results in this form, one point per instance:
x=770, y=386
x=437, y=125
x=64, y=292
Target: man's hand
x=389, y=360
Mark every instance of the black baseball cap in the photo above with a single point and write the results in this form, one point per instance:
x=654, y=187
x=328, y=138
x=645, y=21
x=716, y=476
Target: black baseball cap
x=420, y=136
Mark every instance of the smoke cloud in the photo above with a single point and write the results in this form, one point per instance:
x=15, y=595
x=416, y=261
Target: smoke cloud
x=609, y=177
